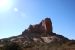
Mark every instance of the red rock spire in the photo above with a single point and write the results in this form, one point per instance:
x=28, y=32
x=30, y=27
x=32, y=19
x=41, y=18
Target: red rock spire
x=47, y=25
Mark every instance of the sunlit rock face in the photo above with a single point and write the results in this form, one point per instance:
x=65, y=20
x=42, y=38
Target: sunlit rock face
x=43, y=28
x=47, y=24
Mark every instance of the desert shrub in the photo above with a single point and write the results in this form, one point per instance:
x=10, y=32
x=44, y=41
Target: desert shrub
x=12, y=46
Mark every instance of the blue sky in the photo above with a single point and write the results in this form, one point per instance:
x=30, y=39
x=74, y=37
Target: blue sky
x=22, y=13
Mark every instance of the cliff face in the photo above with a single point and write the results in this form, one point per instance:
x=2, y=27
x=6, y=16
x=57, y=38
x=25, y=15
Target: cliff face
x=47, y=24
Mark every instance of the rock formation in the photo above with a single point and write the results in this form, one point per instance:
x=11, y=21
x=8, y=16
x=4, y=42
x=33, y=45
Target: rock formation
x=43, y=28
x=37, y=35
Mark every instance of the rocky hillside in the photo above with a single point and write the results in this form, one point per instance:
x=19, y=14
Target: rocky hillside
x=38, y=37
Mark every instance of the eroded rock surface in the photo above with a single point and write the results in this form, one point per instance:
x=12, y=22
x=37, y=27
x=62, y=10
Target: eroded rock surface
x=43, y=28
